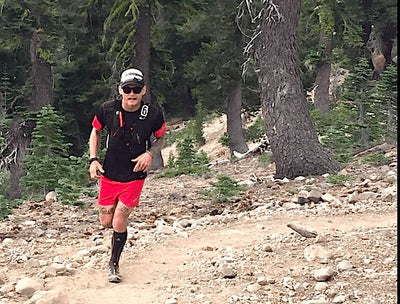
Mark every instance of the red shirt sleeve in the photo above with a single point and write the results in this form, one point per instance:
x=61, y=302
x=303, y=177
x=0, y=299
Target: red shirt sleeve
x=96, y=123
x=161, y=131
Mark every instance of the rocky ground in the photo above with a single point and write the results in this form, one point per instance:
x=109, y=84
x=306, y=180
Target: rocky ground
x=281, y=241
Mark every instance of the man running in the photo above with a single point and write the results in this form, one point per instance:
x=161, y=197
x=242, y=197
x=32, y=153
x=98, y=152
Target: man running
x=135, y=133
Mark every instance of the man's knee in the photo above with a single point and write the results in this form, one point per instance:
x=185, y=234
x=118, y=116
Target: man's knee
x=123, y=210
x=106, y=216
x=120, y=222
x=106, y=221
x=120, y=219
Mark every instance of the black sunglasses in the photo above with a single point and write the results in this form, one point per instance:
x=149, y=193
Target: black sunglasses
x=128, y=90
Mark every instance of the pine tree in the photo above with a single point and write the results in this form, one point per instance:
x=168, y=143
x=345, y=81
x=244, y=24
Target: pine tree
x=357, y=90
x=47, y=160
x=385, y=105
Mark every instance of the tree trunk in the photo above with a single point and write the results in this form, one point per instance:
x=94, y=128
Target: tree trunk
x=141, y=60
x=390, y=124
x=364, y=133
x=294, y=141
x=20, y=136
x=41, y=76
x=41, y=80
x=375, y=46
x=321, y=101
x=189, y=104
x=237, y=140
x=388, y=35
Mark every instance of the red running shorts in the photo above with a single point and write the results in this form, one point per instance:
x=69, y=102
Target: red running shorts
x=127, y=192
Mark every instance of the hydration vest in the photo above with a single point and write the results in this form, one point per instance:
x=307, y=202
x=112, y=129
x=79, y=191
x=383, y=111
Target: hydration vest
x=134, y=137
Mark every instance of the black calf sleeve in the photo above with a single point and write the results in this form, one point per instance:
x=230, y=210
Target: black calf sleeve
x=117, y=244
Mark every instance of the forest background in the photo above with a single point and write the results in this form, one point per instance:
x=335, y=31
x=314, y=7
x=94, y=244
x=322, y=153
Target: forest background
x=61, y=59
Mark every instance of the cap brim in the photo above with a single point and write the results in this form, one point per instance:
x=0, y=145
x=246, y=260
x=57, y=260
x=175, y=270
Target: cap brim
x=135, y=82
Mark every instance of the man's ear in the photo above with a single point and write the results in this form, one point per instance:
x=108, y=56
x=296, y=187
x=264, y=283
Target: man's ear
x=144, y=90
x=119, y=90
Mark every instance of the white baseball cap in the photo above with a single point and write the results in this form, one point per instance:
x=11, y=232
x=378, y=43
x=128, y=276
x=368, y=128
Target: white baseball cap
x=132, y=76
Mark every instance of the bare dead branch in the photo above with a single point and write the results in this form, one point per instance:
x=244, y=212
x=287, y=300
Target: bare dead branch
x=257, y=10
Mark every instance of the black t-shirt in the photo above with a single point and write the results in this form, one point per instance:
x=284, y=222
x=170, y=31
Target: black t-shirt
x=129, y=135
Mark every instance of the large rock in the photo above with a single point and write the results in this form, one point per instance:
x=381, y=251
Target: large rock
x=324, y=274
x=46, y=297
x=316, y=252
x=28, y=286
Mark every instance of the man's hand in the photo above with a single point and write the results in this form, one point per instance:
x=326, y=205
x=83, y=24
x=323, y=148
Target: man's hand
x=143, y=162
x=95, y=170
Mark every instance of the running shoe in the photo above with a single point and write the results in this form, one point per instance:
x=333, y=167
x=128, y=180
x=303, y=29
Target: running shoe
x=113, y=273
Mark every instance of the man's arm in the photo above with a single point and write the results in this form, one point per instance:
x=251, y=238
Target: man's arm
x=95, y=168
x=144, y=160
x=94, y=142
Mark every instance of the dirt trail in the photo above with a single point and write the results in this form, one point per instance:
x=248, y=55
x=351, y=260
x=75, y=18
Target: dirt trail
x=238, y=252
x=154, y=275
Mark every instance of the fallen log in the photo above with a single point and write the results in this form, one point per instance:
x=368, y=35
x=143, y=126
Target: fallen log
x=257, y=148
x=379, y=148
x=302, y=231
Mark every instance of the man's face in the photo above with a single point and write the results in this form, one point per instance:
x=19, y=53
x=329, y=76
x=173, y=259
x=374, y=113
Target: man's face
x=132, y=96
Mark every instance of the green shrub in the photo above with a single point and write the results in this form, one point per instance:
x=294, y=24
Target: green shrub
x=68, y=193
x=6, y=206
x=339, y=179
x=264, y=159
x=188, y=162
x=223, y=190
x=173, y=137
x=193, y=129
x=5, y=182
x=390, y=180
x=224, y=139
x=293, y=191
x=377, y=159
x=337, y=131
x=256, y=130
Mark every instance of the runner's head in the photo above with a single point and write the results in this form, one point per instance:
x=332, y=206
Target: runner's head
x=132, y=89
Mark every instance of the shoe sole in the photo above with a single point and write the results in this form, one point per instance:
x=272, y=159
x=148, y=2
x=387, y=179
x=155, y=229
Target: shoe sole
x=114, y=279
